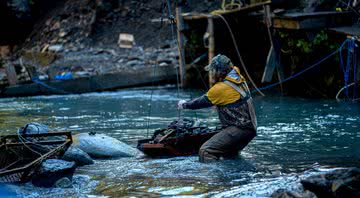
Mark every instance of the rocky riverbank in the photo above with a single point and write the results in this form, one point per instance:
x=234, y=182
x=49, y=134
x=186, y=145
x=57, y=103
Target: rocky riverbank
x=81, y=38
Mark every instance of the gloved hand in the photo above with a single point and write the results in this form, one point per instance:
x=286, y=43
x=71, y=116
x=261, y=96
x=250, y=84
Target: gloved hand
x=181, y=104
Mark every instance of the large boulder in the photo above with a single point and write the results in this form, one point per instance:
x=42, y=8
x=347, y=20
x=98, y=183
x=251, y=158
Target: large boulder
x=337, y=183
x=103, y=146
x=51, y=170
x=78, y=156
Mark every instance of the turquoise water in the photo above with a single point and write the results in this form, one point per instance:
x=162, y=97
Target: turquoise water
x=296, y=137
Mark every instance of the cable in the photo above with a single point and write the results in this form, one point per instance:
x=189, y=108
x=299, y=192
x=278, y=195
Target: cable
x=305, y=70
x=239, y=56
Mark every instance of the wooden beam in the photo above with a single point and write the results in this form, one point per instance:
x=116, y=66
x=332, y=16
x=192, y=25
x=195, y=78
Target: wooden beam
x=211, y=49
x=347, y=30
x=180, y=37
x=11, y=73
x=313, y=20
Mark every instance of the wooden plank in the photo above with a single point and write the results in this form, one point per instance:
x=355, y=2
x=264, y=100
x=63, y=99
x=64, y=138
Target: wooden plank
x=298, y=15
x=346, y=30
x=11, y=73
x=35, y=143
x=286, y=24
x=270, y=66
x=180, y=37
x=50, y=134
x=211, y=49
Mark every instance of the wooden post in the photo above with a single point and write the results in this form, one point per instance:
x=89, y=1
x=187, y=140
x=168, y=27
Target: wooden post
x=11, y=73
x=273, y=59
x=211, y=49
x=180, y=38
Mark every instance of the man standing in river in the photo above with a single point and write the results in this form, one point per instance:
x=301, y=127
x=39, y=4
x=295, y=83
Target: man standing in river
x=231, y=96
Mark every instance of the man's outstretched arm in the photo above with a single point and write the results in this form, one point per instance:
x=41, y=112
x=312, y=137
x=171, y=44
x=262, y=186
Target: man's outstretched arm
x=197, y=103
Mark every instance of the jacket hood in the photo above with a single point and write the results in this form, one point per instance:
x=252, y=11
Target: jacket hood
x=235, y=76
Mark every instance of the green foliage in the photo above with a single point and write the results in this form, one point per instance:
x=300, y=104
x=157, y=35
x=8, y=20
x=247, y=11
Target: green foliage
x=304, y=45
x=320, y=38
x=295, y=45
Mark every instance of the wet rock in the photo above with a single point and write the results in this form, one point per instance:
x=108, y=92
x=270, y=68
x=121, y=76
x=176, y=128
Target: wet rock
x=63, y=183
x=338, y=183
x=134, y=63
x=163, y=64
x=78, y=156
x=82, y=74
x=34, y=128
x=282, y=193
x=56, y=48
x=103, y=146
x=164, y=60
x=51, y=170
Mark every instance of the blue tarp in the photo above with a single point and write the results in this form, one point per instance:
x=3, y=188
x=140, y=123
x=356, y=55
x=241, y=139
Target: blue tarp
x=6, y=192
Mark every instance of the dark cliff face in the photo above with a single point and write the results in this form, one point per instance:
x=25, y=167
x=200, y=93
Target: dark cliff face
x=17, y=18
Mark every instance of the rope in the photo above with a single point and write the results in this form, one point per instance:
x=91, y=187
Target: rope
x=150, y=106
x=345, y=87
x=305, y=70
x=228, y=6
x=22, y=140
x=239, y=56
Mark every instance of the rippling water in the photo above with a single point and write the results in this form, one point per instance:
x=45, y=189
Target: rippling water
x=296, y=137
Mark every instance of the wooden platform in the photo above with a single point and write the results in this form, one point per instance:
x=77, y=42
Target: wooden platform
x=300, y=20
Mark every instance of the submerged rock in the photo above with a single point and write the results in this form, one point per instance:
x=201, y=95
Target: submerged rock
x=63, y=183
x=103, y=146
x=338, y=183
x=78, y=156
x=51, y=170
x=282, y=193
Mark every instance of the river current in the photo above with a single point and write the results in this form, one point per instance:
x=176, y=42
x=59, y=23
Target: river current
x=296, y=138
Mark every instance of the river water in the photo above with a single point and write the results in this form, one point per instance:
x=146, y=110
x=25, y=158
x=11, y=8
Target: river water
x=296, y=138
